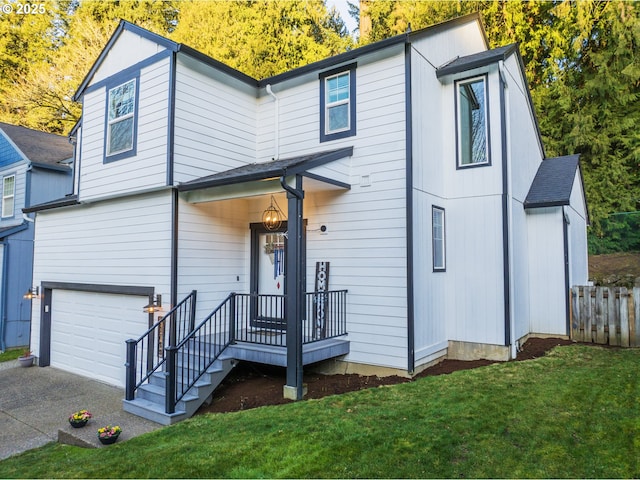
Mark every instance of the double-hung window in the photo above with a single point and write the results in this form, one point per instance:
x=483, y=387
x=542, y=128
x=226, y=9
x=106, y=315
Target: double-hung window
x=121, y=121
x=337, y=104
x=438, y=239
x=473, y=125
x=8, y=195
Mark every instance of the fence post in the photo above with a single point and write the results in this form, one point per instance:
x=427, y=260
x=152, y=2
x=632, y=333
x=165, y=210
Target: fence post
x=170, y=383
x=635, y=339
x=232, y=317
x=624, y=317
x=130, y=381
x=192, y=326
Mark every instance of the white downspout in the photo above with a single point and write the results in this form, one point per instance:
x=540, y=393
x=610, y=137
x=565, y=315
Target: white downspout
x=276, y=123
x=512, y=322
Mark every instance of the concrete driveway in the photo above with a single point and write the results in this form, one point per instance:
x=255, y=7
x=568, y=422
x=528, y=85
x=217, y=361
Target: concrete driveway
x=36, y=402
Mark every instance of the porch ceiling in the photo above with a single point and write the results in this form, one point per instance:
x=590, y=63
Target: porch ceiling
x=263, y=178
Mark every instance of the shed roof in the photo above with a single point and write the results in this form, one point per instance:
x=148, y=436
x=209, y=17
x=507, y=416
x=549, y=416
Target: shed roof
x=265, y=170
x=476, y=60
x=38, y=147
x=553, y=182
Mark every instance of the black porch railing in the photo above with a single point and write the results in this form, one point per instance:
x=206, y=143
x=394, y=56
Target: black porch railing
x=239, y=318
x=148, y=353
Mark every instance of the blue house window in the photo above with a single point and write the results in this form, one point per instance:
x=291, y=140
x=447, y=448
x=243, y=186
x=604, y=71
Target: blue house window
x=438, y=239
x=8, y=195
x=120, y=135
x=473, y=126
x=338, y=103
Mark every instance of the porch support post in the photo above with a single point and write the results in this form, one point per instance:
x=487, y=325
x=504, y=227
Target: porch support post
x=294, y=285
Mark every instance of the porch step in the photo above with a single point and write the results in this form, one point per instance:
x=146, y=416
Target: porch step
x=150, y=397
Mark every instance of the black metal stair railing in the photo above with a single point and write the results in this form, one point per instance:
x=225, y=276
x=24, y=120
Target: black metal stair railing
x=148, y=353
x=190, y=358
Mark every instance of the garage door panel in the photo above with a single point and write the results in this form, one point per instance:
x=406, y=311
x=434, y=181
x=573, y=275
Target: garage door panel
x=89, y=330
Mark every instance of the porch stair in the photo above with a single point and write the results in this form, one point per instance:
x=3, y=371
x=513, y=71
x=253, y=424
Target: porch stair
x=150, y=397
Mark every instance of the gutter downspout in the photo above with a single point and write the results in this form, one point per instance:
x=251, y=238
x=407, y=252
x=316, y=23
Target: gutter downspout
x=508, y=211
x=276, y=124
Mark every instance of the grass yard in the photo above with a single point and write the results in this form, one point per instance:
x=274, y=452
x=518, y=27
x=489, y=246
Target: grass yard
x=9, y=355
x=574, y=413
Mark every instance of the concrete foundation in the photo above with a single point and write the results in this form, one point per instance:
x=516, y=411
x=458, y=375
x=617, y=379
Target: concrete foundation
x=290, y=393
x=475, y=351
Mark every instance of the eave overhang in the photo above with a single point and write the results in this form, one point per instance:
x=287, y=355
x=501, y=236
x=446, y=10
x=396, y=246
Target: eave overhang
x=260, y=178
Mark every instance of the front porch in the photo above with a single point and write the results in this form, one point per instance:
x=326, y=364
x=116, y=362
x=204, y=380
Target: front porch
x=176, y=365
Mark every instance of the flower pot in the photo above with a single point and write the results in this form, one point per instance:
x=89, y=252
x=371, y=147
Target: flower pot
x=108, y=440
x=78, y=423
x=26, y=361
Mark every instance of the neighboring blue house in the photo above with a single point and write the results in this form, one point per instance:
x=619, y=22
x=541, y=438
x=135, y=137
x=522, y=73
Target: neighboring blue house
x=34, y=168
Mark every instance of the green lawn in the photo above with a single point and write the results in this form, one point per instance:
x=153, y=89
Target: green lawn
x=574, y=413
x=11, y=354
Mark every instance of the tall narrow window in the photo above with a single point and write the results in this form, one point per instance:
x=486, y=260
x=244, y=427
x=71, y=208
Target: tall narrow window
x=8, y=195
x=337, y=117
x=472, y=123
x=337, y=104
x=438, y=243
x=121, y=118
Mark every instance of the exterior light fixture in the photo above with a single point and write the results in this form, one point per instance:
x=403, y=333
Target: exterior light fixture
x=272, y=217
x=32, y=293
x=154, y=306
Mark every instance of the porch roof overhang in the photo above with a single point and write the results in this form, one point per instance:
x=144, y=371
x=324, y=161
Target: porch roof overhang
x=260, y=178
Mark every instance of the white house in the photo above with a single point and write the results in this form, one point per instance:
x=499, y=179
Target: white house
x=410, y=179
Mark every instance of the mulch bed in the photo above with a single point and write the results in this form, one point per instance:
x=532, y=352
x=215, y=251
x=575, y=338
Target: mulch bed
x=252, y=385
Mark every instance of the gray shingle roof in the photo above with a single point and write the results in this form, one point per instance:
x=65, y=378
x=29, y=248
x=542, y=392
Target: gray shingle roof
x=553, y=182
x=264, y=170
x=468, y=62
x=39, y=147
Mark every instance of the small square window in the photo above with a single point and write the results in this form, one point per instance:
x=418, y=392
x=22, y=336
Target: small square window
x=473, y=127
x=337, y=104
x=438, y=239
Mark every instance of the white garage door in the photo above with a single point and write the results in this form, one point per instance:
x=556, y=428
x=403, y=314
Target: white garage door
x=89, y=330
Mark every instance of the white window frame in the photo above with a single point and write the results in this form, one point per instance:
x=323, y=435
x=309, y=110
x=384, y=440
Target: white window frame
x=131, y=115
x=439, y=264
x=8, y=197
x=328, y=105
x=459, y=85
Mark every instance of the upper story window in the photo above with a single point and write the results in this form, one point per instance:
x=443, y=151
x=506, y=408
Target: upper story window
x=120, y=138
x=473, y=125
x=338, y=103
x=8, y=195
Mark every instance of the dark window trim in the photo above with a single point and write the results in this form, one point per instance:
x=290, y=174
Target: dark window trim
x=485, y=78
x=326, y=137
x=114, y=82
x=444, y=240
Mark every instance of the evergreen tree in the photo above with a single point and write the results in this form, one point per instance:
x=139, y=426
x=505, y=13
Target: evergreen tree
x=261, y=37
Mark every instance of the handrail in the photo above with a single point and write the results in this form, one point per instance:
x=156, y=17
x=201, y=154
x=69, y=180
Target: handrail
x=190, y=358
x=151, y=344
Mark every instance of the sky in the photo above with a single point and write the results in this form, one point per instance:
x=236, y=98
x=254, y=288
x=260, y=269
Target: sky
x=343, y=8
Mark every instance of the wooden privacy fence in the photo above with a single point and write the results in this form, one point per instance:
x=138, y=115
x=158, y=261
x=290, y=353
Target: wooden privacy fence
x=608, y=316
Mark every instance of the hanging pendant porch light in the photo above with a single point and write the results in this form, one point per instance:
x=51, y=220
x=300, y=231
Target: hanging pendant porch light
x=272, y=217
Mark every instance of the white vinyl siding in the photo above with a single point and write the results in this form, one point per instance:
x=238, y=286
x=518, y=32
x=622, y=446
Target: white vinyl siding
x=8, y=195
x=208, y=139
x=120, y=242
x=147, y=169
